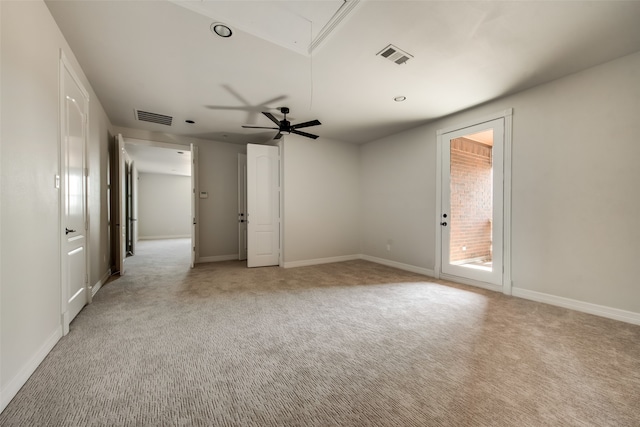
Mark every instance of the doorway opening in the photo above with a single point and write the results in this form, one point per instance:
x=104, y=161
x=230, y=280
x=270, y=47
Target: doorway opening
x=155, y=195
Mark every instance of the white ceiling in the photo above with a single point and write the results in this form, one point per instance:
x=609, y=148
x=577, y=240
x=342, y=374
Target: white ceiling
x=161, y=56
x=150, y=158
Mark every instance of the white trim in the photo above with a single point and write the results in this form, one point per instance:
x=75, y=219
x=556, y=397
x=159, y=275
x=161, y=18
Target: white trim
x=438, y=204
x=281, y=152
x=469, y=123
x=13, y=386
x=506, y=202
x=95, y=288
x=217, y=258
x=317, y=261
x=399, y=265
x=471, y=282
x=347, y=7
x=507, y=115
x=157, y=144
x=585, y=307
x=180, y=236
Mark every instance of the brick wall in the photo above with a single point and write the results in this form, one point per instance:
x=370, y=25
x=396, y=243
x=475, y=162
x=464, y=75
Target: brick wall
x=471, y=201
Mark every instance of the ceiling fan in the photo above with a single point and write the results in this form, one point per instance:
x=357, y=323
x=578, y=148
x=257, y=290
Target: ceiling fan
x=286, y=126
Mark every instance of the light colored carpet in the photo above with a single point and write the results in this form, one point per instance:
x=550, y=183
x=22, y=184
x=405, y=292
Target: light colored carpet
x=348, y=344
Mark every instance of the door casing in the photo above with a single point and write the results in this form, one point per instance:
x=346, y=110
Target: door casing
x=506, y=212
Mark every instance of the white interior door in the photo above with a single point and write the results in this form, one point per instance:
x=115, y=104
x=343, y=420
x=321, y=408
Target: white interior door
x=242, y=206
x=120, y=233
x=263, y=205
x=74, y=117
x=194, y=205
x=471, y=216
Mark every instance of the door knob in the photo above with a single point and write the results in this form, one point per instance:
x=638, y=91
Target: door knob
x=68, y=230
x=444, y=224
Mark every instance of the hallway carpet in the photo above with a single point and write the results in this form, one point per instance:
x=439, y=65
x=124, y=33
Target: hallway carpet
x=347, y=344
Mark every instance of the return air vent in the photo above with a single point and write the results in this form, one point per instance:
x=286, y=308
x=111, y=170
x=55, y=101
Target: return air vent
x=146, y=116
x=394, y=54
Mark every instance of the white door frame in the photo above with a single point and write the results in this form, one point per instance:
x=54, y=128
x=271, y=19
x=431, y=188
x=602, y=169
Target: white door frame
x=194, y=247
x=242, y=206
x=120, y=217
x=65, y=67
x=506, y=223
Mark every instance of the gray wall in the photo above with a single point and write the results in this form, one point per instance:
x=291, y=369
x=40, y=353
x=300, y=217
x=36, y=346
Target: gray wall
x=321, y=199
x=575, y=202
x=30, y=288
x=164, y=206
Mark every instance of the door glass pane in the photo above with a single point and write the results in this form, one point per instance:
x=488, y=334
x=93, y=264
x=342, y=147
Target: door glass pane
x=471, y=207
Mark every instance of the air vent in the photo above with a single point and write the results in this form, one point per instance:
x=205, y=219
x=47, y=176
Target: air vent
x=394, y=54
x=146, y=116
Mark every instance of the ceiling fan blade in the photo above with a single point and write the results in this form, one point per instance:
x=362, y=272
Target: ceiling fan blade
x=236, y=95
x=308, y=135
x=223, y=107
x=278, y=136
x=272, y=118
x=258, y=127
x=306, y=124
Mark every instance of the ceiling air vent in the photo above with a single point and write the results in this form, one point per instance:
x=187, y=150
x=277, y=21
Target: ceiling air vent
x=395, y=54
x=146, y=116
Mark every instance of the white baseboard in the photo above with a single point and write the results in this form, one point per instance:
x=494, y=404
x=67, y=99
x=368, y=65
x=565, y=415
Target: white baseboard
x=12, y=388
x=218, y=258
x=399, y=265
x=471, y=282
x=585, y=307
x=317, y=261
x=186, y=236
x=102, y=281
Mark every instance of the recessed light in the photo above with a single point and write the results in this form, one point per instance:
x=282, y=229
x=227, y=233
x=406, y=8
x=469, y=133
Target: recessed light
x=189, y=121
x=221, y=29
x=399, y=98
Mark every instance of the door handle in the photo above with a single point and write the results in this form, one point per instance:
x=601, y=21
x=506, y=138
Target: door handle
x=68, y=230
x=444, y=224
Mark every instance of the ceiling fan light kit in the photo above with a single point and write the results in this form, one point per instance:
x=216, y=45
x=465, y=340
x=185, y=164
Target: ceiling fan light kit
x=286, y=126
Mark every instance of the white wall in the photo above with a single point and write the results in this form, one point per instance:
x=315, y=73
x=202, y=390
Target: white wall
x=575, y=207
x=164, y=206
x=30, y=292
x=321, y=199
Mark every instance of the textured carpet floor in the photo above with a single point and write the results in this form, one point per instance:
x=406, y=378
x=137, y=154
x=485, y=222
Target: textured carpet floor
x=348, y=344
